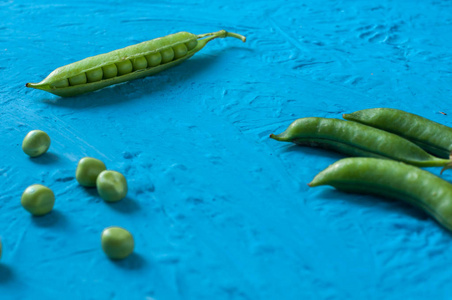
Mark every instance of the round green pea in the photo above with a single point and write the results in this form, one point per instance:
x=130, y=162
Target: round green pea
x=124, y=67
x=154, y=59
x=38, y=199
x=110, y=71
x=139, y=63
x=94, y=75
x=78, y=79
x=117, y=242
x=111, y=186
x=36, y=143
x=191, y=45
x=180, y=51
x=88, y=169
x=167, y=55
x=60, y=83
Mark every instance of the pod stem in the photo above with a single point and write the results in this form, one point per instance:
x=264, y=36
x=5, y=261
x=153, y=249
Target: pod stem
x=220, y=34
x=448, y=165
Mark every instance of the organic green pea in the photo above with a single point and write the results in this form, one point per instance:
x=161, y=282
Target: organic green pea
x=117, y=242
x=78, y=79
x=154, y=59
x=36, y=143
x=111, y=186
x=38, y=199
x=60, y=83
x=94, y=75
x=180, y=51
x=88, y=169
x=167, y=55
x=139, y=63
x=110, y=71
x=191, y=44
x=124, y=67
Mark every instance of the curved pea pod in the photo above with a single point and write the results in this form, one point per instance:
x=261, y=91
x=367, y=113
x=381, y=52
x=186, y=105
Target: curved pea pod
x=132, y=62
x=356, y=139
x=391, y=179
x=427, y=134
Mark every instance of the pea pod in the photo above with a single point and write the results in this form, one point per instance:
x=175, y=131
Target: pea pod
x=132, y=62
x=357, y=140
x=391, y=179
x=429, y=135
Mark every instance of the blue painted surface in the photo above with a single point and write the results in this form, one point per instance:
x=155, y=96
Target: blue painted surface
x=217, y=209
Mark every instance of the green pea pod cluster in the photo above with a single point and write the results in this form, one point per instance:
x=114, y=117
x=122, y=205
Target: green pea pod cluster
x=132, y=62
x=388, y=147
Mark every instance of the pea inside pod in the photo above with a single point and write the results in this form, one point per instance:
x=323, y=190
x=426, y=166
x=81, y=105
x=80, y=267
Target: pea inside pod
x=127, y=63
x=357, y=139
x=391, y=179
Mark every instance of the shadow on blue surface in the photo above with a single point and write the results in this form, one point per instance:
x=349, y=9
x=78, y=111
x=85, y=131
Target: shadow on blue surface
x=52, y=219
x=126, y=205
x=45, y=159
x=6, y=273
x=134, y=262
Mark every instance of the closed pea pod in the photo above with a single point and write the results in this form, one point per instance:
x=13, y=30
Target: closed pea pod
x=357, y=139
x=118, y=66
x=391, y=179
x=429, y=135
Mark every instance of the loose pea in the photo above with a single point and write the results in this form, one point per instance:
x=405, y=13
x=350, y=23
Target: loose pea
x=191, y=44
x=180, y=51
x=110, y=71
x=124, y=67
x=111, y=186
x=88, y=169
x=36, y=143
x=139, y=63
x=117, y=242
x=391, y=179
x=78, y=79
x=167, y=55
x=60, y=83
x=94, y=75
x=154, y=59
x=38, y=199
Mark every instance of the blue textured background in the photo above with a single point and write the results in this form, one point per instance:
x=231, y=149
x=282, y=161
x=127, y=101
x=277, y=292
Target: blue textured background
x=217, y=209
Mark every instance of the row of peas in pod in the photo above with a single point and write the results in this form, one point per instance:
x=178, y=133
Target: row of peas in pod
x=387, y=147
x=39, y=200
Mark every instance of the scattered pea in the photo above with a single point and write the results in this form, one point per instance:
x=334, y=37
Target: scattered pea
x=38, y=199
x=111, y=186
x=88, y=169
x=117, y=242
x=36, y=143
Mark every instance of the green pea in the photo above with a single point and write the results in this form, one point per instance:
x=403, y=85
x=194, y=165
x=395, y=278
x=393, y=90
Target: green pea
x=124, y=67
x=191, y=44
x=117, y=242
x=167, y=55
x=36, y=143
x=111, y=186
x=94, y=75
x=60, y=83
x=88, y=169
x=154, y=59
x=427, y=134
x=122, y=57
x=180, y=51
x=391, y=179
x=139, y=63
x=357, y=139
x=38, y=199
x=78, y=79
x=110, y=71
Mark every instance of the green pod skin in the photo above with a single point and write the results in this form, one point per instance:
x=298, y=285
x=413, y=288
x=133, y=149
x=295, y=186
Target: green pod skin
x=356, y=139
x=56, y=83
x=429, y=135
x=391, y=179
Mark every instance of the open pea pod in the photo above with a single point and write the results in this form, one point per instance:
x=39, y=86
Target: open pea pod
x=132, y=62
